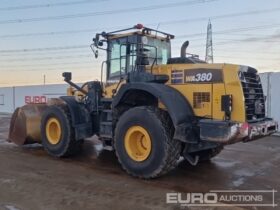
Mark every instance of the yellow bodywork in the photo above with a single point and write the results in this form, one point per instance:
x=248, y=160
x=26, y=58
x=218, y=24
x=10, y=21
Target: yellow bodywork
x=230, y=85
x=112, y=88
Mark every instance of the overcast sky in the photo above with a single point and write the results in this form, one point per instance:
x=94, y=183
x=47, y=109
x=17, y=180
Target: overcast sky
x=46, y=37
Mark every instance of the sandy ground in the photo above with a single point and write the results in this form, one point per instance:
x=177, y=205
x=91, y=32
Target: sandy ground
x=30, y=179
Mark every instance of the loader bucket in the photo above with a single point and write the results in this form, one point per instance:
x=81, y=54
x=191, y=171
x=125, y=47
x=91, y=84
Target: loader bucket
x=25, y=124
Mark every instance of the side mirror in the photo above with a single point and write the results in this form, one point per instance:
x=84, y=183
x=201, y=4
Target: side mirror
x=96, y=39
x=94, y=50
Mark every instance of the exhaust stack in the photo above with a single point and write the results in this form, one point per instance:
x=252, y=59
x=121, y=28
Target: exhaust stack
x=184, y=48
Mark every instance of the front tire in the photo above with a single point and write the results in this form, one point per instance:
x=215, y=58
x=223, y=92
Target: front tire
x=144, y=142
x=58, y=135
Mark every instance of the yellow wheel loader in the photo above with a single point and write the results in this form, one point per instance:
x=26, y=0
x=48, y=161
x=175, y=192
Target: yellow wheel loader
x=151, y=108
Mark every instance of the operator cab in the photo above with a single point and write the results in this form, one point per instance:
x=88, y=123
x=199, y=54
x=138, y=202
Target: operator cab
x=132, y=51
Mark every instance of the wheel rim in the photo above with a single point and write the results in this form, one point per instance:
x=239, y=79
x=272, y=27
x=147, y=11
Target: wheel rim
x=53, y=130
x=138, y=144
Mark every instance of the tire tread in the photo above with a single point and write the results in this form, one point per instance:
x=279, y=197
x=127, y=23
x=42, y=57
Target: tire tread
x=73, y=146
x=172, y=146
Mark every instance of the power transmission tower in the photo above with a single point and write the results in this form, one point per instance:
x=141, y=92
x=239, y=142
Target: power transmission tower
x=209, y=44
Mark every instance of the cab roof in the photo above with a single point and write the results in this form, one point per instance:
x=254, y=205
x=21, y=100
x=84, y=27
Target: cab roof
x=140, y=30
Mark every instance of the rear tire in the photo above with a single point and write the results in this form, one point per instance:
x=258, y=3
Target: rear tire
x=158, y=154
x=58, y=135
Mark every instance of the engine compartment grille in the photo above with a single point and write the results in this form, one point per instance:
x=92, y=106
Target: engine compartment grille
x=253, y=94
x=199, y=98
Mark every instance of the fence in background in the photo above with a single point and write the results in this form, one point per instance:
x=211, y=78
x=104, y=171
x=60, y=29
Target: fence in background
x=271, y=87
x=13, y=97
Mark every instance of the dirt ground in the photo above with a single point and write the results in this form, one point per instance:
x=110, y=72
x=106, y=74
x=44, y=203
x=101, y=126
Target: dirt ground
x=31, y=179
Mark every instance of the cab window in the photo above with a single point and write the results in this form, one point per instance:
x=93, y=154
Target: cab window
x=161, y=50
x=117, y=60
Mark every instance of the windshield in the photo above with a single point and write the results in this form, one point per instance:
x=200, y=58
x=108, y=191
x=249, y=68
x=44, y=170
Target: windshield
x=157, y=48
x=126, y=53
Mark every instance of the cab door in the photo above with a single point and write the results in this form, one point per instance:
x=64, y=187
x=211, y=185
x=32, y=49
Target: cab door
x=116, y=65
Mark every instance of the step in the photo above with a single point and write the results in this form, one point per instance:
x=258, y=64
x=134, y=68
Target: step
x=106, y=100
x=107, y=110
x=107, y=123
x=106, y=129
x=106, y=115
x=108, y=136
x=109, y=148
